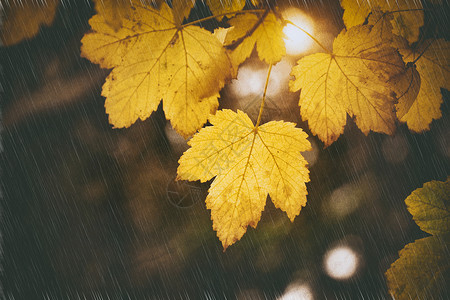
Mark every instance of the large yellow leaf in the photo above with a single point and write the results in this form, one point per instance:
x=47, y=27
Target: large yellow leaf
x=355, y=79
x=423, y=269
x=432, y=62
x=407, y=15
x=22, y=19
x=430, y=207
x=153, y=58
x=249, y=162
x=264, y=31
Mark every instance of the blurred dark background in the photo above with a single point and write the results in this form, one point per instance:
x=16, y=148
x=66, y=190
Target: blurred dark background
x=91, y=212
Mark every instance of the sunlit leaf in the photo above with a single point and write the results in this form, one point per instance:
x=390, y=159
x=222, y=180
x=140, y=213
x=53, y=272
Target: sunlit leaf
x=153, y=58
x=432, y=62
x=407, y=15
x=355, y=79
x=248, y=163
x=265, y=31
x=22, y=19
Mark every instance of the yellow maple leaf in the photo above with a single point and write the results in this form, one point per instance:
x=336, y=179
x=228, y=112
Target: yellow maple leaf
x=265, y=31
x=432, y=62
x=155, y=58
x=22, y=19
x=407, y=19
x=355, y=79
x=249, y=162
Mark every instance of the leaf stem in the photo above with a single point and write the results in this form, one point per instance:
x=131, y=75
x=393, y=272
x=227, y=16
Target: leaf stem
x=263, y=98
x=310, y=35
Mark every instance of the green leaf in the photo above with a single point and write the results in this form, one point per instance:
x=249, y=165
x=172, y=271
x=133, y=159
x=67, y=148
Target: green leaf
x=422, y=271
x=430, y=207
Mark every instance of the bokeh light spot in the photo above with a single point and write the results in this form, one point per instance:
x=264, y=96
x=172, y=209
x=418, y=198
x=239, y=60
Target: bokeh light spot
x=298, y=292
x=296, y=40
x=395, y=148
x=341, y=262
x=251, y=79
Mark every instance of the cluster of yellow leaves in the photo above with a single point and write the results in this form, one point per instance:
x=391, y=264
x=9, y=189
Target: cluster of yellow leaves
x=249, y=163
x=22, y=19
x=423, y=269
x=418, y=89
x=428, y=71
x=154, y=57
x=407, y=15
x=372, y=74
x=353, y=79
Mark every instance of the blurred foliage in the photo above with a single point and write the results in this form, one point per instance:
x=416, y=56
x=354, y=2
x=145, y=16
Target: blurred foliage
x=22, y=19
